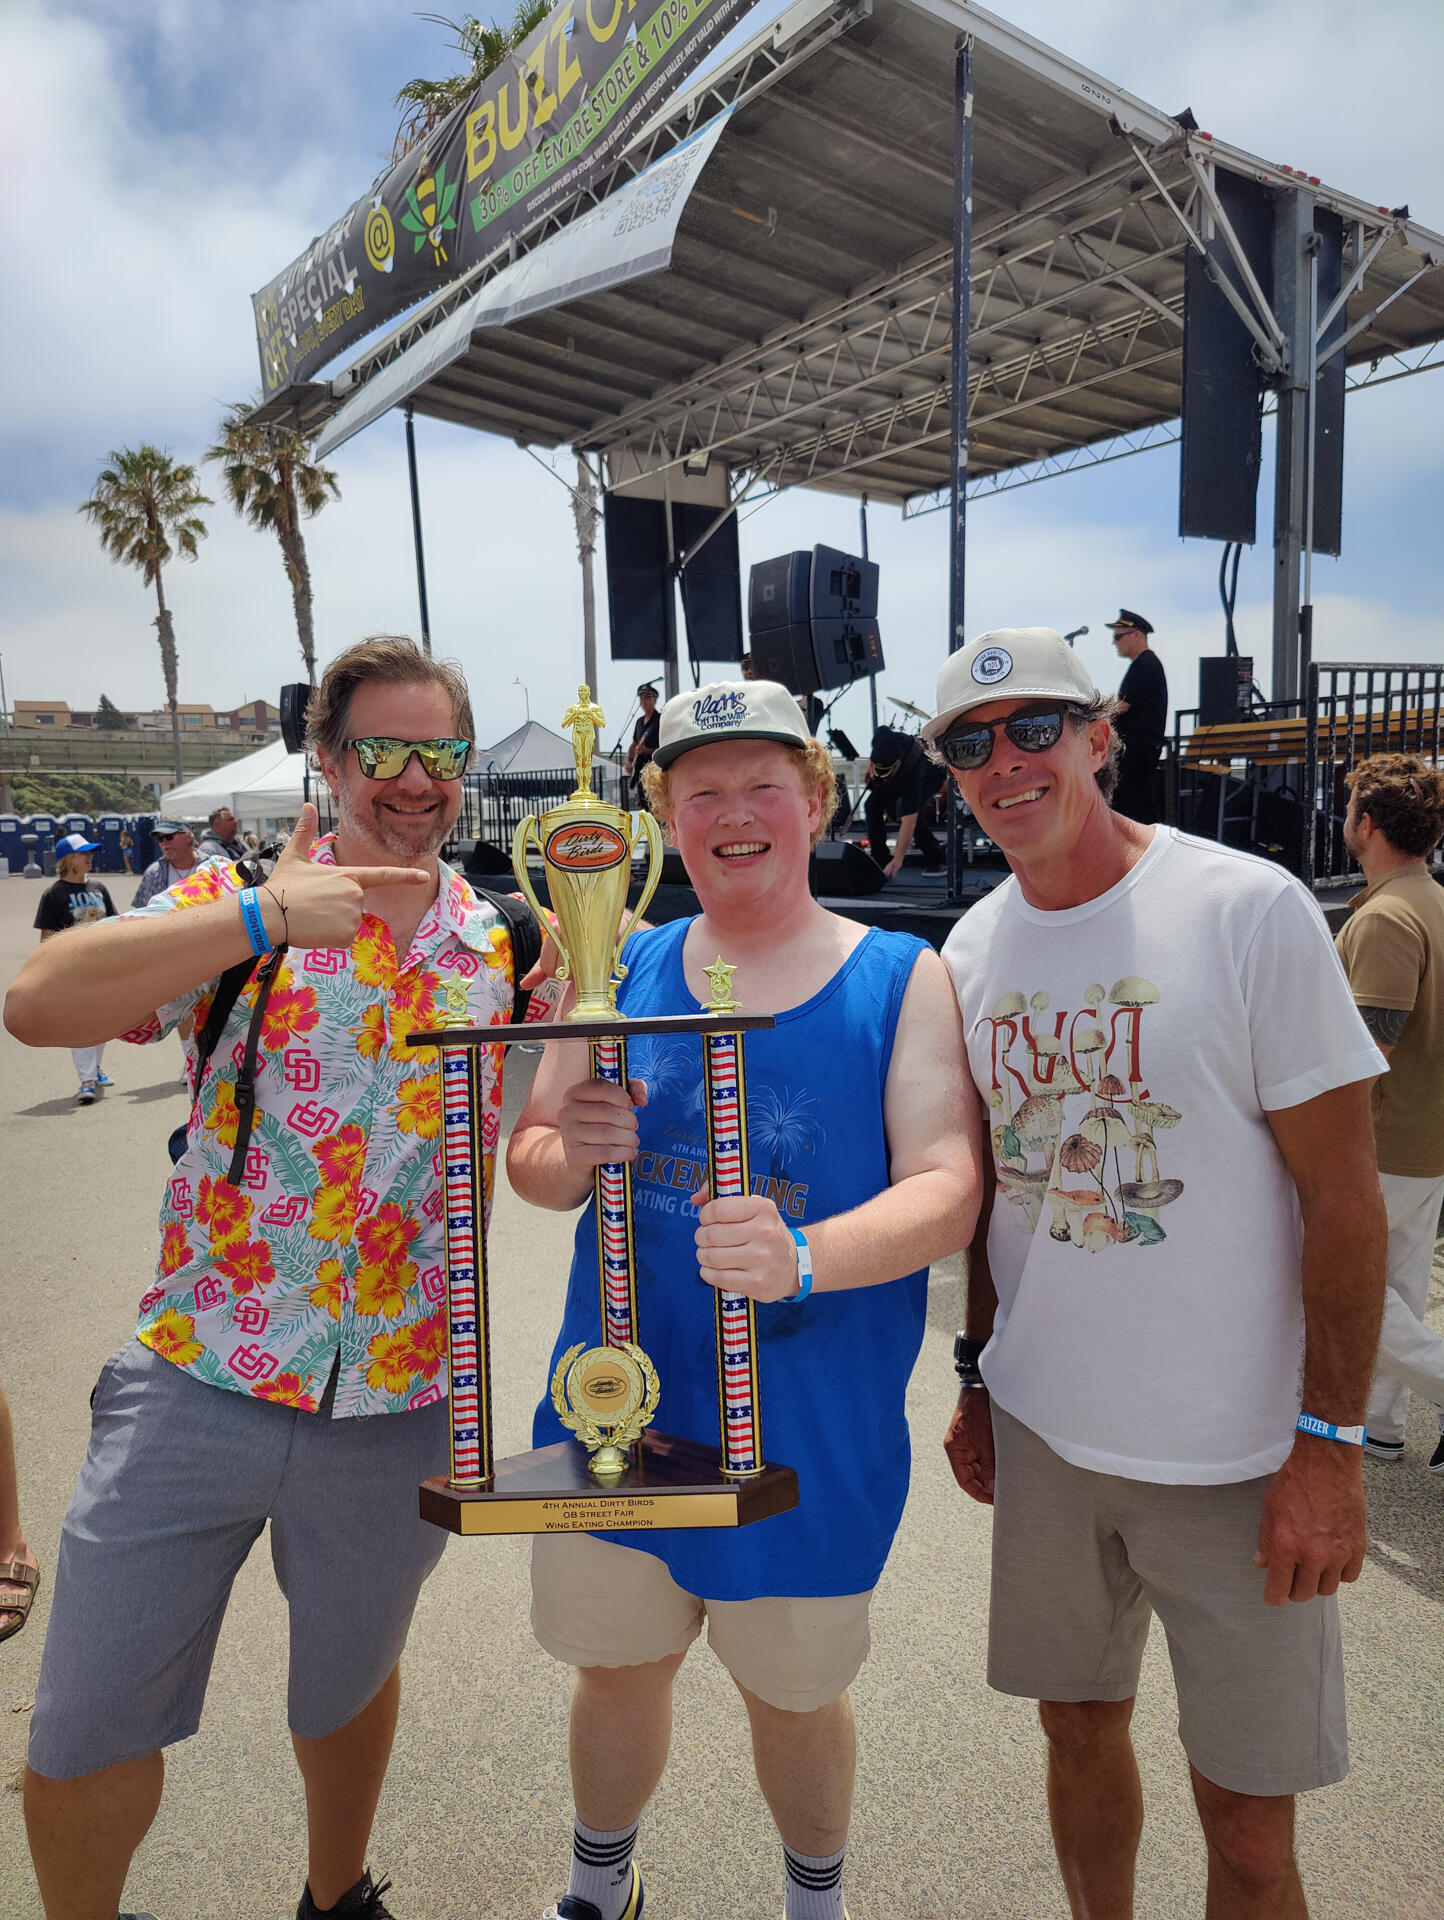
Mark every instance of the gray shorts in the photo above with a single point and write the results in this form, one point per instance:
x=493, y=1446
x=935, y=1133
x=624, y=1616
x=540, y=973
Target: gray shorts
x=178, y=1481
x=1082, y=1561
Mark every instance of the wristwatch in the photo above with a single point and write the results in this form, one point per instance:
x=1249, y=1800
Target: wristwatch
x=966, y=1354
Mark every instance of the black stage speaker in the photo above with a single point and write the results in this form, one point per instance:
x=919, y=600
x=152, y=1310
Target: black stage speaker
x=1222, y=387
x=1224, y=684
x=841, y=869
x=711, y=582
x=637, y=585
x=1329, y=391
x=295, y=697
x=812, y=619
x=636, y=543
x=843, y=598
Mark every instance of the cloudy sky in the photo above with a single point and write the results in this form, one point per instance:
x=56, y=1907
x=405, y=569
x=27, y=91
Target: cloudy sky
x=163, y=158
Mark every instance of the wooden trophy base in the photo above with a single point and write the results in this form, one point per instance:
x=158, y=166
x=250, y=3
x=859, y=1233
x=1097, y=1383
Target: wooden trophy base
x=671, y=1483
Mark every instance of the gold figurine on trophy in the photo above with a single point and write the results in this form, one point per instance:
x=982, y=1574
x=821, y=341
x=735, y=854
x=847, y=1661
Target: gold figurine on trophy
x=587, y=847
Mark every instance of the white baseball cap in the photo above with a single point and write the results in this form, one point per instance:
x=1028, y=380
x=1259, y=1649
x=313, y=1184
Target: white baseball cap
x=1022, y=663
x=729, y=710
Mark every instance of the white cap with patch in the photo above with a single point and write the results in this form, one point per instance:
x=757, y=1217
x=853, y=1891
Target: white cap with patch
x=729, y=710
x=1012, y=663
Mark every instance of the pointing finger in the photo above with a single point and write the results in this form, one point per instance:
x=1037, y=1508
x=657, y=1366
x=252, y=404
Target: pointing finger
x=386, y=876
x=303, y=835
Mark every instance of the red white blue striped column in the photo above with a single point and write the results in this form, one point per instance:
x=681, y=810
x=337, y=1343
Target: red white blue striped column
x=736, y=1314
x=616, y=1247
x=467, y=1331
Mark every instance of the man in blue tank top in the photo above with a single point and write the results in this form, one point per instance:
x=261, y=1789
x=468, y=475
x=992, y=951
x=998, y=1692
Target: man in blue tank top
x=865, y=1137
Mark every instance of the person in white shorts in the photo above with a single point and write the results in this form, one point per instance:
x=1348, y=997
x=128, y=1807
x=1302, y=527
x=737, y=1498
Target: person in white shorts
x=1392, y=947
x=1185, y=1227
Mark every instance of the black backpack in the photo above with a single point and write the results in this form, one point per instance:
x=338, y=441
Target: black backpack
x=526, y=946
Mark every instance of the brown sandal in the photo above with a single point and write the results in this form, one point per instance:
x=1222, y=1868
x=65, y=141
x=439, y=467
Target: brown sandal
x=18, y=1573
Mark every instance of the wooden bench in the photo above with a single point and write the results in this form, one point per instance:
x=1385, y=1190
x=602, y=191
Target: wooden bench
x=1275, y=742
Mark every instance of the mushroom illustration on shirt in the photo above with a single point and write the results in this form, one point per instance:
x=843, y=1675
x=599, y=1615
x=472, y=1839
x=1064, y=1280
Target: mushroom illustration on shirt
x=1074, y=1121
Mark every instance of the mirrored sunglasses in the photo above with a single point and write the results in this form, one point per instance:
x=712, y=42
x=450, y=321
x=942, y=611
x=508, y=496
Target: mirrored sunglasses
x=969, y=745
x=382, y=759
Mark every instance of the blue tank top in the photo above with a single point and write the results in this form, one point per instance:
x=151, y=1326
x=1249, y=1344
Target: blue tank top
x=834, y=1370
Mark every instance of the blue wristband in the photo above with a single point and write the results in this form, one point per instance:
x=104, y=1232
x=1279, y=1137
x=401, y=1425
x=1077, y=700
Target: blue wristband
x=804, y=1267
x=1326, y=1430
x=253, y=922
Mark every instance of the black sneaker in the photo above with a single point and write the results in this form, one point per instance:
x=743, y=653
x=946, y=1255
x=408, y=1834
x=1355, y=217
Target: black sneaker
x=1384, y=1449
x=362, y=1902
x=1436, y=1458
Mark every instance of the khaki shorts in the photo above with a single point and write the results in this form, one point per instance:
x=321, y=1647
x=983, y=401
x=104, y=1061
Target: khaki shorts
x=595, y=1604
x=1081, y=1562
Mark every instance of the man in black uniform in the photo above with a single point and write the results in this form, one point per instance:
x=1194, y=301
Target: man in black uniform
x=644, y=739
x=1142, y=719
x=900, y=778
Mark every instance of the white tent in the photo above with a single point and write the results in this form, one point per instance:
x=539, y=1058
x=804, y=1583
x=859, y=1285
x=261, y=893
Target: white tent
x=260, y=786
x=533, y=748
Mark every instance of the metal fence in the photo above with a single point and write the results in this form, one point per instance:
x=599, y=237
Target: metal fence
x=1362, y=709
x=494, y=804
x=1276, y=784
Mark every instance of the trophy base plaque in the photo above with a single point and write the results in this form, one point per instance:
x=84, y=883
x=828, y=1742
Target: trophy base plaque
x=671, y=1483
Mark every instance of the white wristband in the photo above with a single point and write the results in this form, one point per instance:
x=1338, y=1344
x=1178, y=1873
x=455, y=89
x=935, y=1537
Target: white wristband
x=1325, y=1430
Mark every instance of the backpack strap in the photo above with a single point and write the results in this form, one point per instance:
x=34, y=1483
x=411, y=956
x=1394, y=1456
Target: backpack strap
x=245, y=1093
x=229, y=988
x=526, y=941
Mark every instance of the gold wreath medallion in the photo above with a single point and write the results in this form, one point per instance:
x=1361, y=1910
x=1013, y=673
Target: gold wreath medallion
x=605, y=1396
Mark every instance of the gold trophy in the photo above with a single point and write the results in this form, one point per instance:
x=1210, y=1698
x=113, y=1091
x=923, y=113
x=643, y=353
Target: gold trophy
x=587, y=849
x=617, y=1471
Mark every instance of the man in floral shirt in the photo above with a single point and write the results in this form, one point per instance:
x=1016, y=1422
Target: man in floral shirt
x=289, y=1310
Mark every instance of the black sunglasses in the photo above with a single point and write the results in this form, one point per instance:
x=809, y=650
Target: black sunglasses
x=969, y=745
x=384, y=759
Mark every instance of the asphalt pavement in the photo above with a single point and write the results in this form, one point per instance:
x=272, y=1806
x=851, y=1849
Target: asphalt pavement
x=950, y=1821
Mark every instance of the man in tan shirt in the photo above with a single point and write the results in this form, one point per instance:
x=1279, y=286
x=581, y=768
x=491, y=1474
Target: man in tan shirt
x=1392, y=947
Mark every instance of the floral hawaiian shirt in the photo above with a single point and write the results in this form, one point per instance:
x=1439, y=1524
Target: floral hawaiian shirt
x=331, y=1249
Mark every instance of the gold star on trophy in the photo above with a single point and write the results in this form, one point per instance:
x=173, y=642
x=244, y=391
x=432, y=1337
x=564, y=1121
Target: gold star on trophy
x=720, y=974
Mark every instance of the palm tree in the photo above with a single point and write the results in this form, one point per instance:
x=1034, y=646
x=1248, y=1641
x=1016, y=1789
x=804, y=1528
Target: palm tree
x=144, y=508
x=272, y=482
x=483, y=47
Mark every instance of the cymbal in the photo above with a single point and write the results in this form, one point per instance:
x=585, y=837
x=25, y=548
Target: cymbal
x=906, y=706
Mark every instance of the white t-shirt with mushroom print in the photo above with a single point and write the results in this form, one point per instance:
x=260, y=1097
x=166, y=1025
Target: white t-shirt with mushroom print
x=1145, y=1237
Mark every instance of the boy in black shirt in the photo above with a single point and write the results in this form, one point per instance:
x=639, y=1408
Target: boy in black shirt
x=72, y=900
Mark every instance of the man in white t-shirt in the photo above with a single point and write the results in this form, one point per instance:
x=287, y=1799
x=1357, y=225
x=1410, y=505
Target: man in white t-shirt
x=1186, y=1230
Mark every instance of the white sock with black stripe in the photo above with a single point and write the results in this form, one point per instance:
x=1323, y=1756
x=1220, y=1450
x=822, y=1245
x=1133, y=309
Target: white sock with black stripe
x=814, y=1885
x=602, y=1867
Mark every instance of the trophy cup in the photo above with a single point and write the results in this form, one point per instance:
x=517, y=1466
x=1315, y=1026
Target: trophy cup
x=616, y=1472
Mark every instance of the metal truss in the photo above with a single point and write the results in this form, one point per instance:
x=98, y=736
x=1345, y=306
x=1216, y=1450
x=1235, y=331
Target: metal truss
x=1378, y=373
x=1060, y=305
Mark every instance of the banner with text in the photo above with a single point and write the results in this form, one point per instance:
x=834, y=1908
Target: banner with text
x=534, y=133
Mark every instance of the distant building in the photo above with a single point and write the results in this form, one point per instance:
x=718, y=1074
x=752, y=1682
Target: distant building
x=42, y=713
x=252, y=717
x=255, y=716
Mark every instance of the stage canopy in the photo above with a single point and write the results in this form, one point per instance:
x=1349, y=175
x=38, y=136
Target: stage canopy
x=800, y=332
